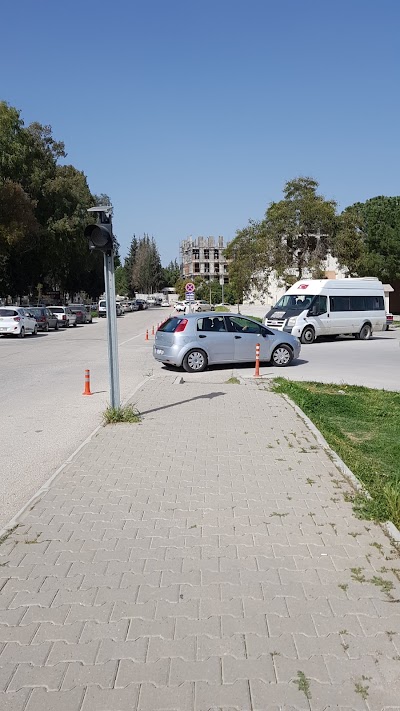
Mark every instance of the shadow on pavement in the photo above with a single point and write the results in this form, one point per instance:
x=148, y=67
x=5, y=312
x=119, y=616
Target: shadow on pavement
x=209, y=396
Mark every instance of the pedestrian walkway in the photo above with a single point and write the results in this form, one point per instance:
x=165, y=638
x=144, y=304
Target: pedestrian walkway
x=205, y=559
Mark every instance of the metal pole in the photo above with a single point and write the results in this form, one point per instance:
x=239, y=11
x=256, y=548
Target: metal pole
x=112, y=334
x=222, y=284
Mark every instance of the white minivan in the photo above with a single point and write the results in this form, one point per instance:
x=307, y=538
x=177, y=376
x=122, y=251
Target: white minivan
x=329, y=307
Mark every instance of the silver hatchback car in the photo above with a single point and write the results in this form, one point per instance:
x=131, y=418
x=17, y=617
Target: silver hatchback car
x=195, y=341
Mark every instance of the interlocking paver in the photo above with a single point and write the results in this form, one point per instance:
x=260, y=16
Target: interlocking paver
x=198, y=572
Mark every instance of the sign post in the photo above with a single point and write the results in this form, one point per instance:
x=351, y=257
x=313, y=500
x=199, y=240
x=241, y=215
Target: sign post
x=189, y=294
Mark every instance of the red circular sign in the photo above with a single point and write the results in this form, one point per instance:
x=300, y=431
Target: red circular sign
x=189, y=287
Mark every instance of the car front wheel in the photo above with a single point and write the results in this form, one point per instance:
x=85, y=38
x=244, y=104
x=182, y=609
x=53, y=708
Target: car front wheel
x=56, y=326
x=281, y=356
x=308, y=335
x=21, y=333
x=35, y=331
x=195, y=361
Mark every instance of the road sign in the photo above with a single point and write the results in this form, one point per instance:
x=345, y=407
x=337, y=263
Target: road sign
x=189, y=287
x=189, y=296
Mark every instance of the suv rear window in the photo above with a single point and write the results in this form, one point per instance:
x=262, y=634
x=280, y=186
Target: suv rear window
x=8, y=312
x=56, y=310
x=171, y=324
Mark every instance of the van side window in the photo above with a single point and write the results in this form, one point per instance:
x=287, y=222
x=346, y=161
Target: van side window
x=357, y=303
x=340, y=303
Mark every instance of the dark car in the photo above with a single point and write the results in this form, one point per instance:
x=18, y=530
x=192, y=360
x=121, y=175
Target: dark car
x=44, y=317
x=80, y=311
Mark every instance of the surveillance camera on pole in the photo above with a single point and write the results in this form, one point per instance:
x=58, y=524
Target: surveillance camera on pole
x=100, y=236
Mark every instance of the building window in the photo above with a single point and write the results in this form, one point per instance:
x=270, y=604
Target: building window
x=216, y=268
x=196, y=268
x=196, y=254
x=206, y=268
x=216, y=254
x=206, y=254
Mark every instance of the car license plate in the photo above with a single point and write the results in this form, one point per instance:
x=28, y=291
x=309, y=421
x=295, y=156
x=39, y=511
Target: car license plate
x=159, y=351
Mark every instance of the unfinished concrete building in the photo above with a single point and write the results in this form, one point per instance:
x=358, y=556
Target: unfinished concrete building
x=205, y=257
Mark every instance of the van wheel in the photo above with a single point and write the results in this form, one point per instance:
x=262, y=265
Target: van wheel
x=308, y=335
x=365, y=333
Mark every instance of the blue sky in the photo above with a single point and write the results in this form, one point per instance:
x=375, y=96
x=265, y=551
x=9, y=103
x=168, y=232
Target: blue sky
x=192, y=115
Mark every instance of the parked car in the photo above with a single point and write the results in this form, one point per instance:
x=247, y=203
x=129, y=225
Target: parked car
x=201, y=305
x=133, y=306
x=389, y=320
x=194, y=341
x=180, y=305
x=17, y=321
x=151, y=301
x=44, y=317
x=80, y=311
x=102, y=310
x=65, y=316
x=165, y=304
x=142, y=304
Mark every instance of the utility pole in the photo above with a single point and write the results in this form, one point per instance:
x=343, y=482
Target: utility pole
x=100, y=236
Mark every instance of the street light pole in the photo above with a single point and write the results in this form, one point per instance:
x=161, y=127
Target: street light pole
x=100, y=236
x=112, y=333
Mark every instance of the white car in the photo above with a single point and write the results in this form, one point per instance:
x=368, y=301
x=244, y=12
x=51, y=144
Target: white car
x=16, y=321
x=201, y=305
x=65, y=315
x=165, y=303
x=180, y=305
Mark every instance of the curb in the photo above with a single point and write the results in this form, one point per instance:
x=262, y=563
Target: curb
x=47, y=484
x=392, y=531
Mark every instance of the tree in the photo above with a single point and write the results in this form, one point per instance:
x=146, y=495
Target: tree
x=249, y=260
x=171, y=274
x=129, y=264
x=300, y=228
x=368, y=239
x=146, y=270
x=121, y=286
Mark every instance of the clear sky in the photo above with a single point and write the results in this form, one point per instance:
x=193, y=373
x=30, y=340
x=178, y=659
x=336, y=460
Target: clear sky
x=192, y=115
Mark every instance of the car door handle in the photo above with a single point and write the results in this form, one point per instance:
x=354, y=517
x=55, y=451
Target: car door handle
x=237, y=336
x=202, y=335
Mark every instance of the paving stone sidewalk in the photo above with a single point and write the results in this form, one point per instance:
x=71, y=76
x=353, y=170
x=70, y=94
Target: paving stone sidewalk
x=203, y=560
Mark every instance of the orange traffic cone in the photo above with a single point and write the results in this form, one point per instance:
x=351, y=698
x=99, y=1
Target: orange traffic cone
x=147, y=335
x=152, y=331
x=87, y=383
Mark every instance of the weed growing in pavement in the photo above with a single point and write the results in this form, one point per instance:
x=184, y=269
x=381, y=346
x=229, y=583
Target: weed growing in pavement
x=385, y=585
x=343, y=586
x=378, y=546
x=310, y=481
x=33, y=540
x=233, y=381
x=354, y=534
x=362, y=690
x=303, y=684
x=363, y=426
x=358, y=575
x=281, y=515
x=390, y=635
x=8, y=533
x=126, y=413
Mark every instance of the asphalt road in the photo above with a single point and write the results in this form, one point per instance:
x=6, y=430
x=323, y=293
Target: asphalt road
x=44, y=417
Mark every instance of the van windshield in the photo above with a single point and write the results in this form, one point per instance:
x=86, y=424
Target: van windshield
x=297, y=302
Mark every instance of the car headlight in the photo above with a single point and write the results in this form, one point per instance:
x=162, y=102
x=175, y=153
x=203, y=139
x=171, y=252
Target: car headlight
x=292, y=321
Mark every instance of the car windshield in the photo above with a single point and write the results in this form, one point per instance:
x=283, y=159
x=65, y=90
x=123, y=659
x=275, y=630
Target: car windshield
x=298, y=302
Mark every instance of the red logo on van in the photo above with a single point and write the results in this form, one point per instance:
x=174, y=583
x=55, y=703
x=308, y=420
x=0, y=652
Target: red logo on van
x=303, y=286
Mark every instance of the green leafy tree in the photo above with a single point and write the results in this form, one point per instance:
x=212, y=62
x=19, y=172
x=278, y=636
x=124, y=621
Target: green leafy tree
x=368, y=239
x=170, y=274
x=121, y=285
x=129, y=264
x=147, y=270
x=299, y=230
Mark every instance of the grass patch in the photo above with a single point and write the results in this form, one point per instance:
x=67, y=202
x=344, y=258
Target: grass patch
x=127, y=413
x=233, y=381
x=363, y=426
x=222, y=308
x=8, y=533
x=255, y=318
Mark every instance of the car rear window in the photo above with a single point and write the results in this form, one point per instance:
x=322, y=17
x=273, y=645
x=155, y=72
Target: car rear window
x=170, y=325
x=8, y=312
x=56, y=310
